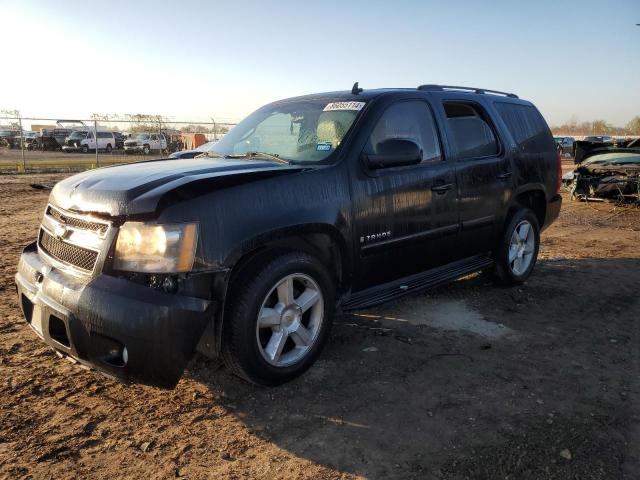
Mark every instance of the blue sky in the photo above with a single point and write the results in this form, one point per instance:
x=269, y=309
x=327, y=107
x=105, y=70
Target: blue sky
x=222, y=59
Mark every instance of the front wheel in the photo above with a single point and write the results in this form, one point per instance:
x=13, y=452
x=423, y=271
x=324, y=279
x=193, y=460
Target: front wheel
x=109, y=148
x=279, y=317
x=85, y=149
x=518, y=250
x=146, y=150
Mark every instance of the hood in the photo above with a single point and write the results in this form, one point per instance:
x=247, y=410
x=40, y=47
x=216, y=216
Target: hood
x=137, y=188
x=621, y=158
x=185, y=154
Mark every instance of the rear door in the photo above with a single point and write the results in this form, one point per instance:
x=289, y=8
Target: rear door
x=483, y=174
x=406, y=218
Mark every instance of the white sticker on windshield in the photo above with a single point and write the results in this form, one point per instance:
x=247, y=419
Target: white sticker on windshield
x=344, y=106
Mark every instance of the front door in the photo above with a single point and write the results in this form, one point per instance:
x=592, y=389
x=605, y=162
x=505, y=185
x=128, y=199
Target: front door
x=406, y=218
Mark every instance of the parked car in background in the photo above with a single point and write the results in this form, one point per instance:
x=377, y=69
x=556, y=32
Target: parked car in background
x=27, y=138
x=566, y=145
x=88, y=140
x=334, y=201
x=8, y=138
x=598, y=139
x=202, y=149
x=50, y=139
x=120, y=139
x=605, y=172
x=145, y=143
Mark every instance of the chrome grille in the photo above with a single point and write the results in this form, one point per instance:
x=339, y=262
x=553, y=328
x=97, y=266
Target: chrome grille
x=73, y=240
x=76, y=222
x=68, y=253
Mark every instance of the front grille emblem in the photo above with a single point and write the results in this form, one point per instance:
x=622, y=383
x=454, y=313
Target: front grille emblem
x=60, y=231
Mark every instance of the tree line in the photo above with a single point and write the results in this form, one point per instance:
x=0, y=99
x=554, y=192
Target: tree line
x=597, y=127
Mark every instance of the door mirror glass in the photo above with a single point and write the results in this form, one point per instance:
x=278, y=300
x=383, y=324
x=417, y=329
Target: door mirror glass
x=394, y=152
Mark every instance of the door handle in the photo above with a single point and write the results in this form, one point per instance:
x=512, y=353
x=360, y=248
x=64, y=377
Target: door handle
x=503, y=176
x=440, y=189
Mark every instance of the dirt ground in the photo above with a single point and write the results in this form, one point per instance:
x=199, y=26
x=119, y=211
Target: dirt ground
x=59, y=161
x=468, y=381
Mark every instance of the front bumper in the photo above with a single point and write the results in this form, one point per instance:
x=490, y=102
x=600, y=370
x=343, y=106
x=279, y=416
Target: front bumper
x=133, y=148
x=71, y=148
x=93, y=322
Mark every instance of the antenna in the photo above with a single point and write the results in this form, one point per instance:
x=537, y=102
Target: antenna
x=355, y=90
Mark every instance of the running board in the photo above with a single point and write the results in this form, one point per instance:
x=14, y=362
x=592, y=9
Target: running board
x=416, y=283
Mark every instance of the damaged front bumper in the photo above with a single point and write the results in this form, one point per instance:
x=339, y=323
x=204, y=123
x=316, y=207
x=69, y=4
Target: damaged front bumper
x=592, y=186
x=119, y=327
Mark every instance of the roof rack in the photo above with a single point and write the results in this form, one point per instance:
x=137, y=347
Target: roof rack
x=442, y=88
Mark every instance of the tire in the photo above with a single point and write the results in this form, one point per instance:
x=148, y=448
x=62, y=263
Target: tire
x=85, y=149
x=146, y=150
x=248, y=348
x=510, y=270
x=109, y=148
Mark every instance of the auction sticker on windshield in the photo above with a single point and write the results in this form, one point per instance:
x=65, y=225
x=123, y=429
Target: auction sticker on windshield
x=344, y=106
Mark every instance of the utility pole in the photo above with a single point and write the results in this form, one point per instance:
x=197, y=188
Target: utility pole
x=24, y=164
x=95, y=134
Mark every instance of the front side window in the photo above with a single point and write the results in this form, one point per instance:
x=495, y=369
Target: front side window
x=471, y=130
x=297, y=131
x=78, y=135
x=410, y=120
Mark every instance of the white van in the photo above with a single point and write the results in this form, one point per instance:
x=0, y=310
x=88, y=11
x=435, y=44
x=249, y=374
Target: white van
x=85, y=140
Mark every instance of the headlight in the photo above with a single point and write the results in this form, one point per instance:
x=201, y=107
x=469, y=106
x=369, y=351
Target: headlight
x=143, y=247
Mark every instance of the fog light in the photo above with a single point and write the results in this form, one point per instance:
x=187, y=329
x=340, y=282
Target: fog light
x=170, y=285
x=117, y=356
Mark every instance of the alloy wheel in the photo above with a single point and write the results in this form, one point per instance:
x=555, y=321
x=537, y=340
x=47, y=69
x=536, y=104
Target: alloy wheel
x=521, y=247
x=290, y=320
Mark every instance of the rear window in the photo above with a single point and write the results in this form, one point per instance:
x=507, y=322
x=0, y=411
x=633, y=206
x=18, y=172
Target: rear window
x=473, y=135
x=527, y=127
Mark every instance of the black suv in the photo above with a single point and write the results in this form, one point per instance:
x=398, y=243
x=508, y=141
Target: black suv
x=311, y=205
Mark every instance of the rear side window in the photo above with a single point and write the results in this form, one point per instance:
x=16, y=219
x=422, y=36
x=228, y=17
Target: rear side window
x=527, y=127
x=473, y=136
x=410, y=120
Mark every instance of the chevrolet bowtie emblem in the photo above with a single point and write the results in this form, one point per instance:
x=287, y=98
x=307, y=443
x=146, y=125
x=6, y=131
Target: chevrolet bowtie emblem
x=60, y=231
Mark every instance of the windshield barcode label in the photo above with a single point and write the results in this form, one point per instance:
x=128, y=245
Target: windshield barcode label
x=344, y=106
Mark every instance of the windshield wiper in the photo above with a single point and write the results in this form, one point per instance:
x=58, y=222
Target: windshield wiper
x=270, y=156
x=212, y=154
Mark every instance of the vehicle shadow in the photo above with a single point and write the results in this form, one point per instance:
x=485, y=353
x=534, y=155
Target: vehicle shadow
x=395, y=395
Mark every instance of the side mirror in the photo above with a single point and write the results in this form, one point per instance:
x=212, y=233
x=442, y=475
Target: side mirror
x=394, y=152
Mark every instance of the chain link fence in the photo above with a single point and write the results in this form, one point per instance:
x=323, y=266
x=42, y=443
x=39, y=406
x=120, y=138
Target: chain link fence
x=36, y=144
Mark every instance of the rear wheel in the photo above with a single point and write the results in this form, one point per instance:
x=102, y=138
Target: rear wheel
x=109, y=148
x=146, y=150
x=279, y=317
x=518, y=250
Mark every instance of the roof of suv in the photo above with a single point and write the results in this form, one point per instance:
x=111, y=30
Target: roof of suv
x=369, y=94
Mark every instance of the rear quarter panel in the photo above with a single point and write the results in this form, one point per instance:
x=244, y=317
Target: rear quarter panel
x=531, y=171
